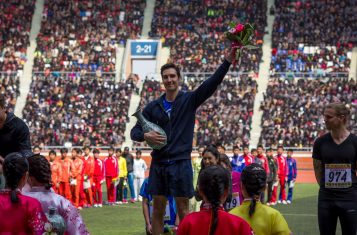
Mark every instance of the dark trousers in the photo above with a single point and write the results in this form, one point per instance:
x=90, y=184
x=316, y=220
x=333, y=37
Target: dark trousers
x=270, y=190
x=345, y=211
x=120, y=189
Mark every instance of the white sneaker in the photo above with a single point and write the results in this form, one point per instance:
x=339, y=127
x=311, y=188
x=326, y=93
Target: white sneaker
x=279, y=201
x=284, y=202
x=100, y=205
x=120, y=202
x=268, y=204
x=79, y=208
x=288, y=201
x=95, y=205
x=117, y=203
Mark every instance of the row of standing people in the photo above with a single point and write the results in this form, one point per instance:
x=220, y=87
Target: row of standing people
x=79, y=177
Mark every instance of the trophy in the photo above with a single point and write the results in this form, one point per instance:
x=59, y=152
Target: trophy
x=149, y=126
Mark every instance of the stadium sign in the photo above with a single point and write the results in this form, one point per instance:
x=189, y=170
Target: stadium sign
x=144, y=48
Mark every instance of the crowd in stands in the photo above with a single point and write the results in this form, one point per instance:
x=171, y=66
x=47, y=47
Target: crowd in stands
x=292, y=109
x=313, y=36
x=9, y=86
x=82, y=35
x=15, y=26
x=194, y=31
x=78, y=109
x=216, y=120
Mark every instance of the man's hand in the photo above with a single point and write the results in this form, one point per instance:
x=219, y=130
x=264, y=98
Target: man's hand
x=1, y=163
x=154, y=138
x=148, y=228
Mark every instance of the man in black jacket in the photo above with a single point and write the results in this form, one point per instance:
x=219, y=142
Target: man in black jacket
x=171, y=169
x=14, y=135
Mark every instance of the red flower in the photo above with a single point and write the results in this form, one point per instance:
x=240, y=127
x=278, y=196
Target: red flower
x=239, y=28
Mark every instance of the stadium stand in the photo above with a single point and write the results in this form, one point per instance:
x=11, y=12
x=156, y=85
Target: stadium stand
x=14, y=38
x=194, y=31
x=84, y=110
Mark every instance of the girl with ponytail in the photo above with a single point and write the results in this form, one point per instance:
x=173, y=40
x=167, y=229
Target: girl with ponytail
x=213, y=187
x=263, y=219
x=40, y=181
x=19, y=214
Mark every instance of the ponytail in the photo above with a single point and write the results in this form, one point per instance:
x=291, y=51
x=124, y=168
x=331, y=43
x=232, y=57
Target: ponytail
x=15, y=167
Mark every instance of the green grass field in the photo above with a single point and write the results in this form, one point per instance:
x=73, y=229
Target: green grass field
x=301, y=215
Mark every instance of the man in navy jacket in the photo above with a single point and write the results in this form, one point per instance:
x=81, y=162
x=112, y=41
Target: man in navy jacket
x=171, y=169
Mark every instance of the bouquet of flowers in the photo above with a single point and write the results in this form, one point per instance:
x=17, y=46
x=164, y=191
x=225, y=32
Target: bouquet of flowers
x=240, y=35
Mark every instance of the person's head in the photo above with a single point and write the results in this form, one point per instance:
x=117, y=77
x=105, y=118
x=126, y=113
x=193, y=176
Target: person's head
x=336, y=116
x=200, y=151
x=2, y=111
x=221, y=149
x=15, y=169
x=245, y=150
x=236, y=150
x=111, y=151
x=64, y=152
x=260, y=149
x=96, y=153
x=213, y=187
x=224, y=162
x=254, y=152
x=269, y=152
x=36, y=149
x=289, y=153
x=171, y=76
x=280, y=150
x=210, y=156
x=39, y=171
x=126, y=150
x=86, y=150
x=138, y=154
x=253, y=179
x=74, y=153
x=118, y=152
x=52, y=155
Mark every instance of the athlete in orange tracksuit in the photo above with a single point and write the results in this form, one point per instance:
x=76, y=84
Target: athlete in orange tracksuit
x=66, y=166
x=98, y=178
x=88, y=171
x=55, y=170
x=77, y=176
x=111, y=173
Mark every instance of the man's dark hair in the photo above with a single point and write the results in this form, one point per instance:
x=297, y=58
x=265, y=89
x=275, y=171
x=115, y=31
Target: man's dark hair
x=2, y=101
x=280, y=147
x=170, y=66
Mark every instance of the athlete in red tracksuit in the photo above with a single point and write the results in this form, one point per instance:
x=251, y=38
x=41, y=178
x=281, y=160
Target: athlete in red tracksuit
x=98, y=178
x=282, y=174
x=88, y=170
x=111, y=172
x=248, y=158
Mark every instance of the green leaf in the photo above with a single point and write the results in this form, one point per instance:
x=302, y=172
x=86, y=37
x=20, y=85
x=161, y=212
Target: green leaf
x=232, y=25
x=250, y=47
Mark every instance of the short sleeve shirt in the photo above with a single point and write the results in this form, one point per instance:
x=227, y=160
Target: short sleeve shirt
x=338, y=179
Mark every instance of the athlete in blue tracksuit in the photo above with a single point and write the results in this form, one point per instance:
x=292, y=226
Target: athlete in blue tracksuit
x=292, y=173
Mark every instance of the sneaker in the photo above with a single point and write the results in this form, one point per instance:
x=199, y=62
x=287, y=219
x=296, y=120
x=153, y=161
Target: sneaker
x=117, y=203
x=279, y=201
x=268, y=204
x=132, y=200
x=95, y=205
x=284, y=202
x=100, y=205
x=120, y=202
x=125, y=201
x=79, y=208
x=288, y=201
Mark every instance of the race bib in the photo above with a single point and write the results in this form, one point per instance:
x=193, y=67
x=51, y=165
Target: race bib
x=338, y=176
x=234, y=202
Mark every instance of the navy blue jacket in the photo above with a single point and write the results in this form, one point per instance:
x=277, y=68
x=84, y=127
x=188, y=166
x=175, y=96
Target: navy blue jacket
x=15, y=137
x=179, y=126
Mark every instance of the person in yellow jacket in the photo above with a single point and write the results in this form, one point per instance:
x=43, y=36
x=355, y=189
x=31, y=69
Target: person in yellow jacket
x=196, y=166
x=123, y=172
x=263, y=219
